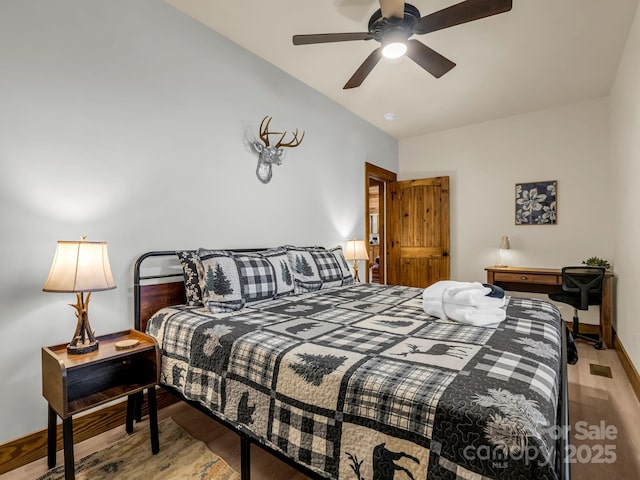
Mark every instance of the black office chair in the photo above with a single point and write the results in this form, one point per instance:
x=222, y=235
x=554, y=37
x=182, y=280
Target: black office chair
x=582, y=286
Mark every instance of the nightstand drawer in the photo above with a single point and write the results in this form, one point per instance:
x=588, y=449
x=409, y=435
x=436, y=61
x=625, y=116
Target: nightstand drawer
x=540, y=278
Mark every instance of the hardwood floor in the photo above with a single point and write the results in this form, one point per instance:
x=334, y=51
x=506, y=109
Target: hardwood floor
x=593, y=400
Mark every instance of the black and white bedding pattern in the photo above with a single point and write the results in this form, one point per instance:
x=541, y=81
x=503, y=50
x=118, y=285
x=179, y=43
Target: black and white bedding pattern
x=359, y=383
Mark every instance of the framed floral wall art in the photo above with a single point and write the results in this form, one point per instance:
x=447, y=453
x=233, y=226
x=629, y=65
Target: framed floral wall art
x=536, y=203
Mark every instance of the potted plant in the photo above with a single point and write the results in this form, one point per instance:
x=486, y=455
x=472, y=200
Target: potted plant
x=597, y=262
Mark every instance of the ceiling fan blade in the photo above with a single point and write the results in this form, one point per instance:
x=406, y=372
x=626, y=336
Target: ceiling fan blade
x=364, y=69
x=330, y=37
x=392, y=8
x=429, y=59
x=461, y=13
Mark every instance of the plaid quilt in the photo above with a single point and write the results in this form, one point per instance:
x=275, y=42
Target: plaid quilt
x=359, y=383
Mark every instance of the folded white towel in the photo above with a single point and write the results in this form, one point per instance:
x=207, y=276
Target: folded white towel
x=490, y=317
x=473, y=295
x=464, y=302
x=432, y=297
x=435, y=291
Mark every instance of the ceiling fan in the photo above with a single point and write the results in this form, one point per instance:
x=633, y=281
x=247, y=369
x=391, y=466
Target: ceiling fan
x=396, y=22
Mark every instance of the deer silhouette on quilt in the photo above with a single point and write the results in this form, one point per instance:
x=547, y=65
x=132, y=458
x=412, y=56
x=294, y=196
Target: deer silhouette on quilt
x=384, y=466
x=456, y=351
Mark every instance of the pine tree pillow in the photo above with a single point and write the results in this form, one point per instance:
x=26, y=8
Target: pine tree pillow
x=314, y=268
x=233, y=280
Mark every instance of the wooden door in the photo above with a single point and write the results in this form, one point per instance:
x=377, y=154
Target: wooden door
x=418, y=233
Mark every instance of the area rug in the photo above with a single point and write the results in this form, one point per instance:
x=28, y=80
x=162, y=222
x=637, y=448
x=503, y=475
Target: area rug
x=181, y=456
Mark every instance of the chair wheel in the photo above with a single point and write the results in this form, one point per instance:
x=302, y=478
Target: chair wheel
x=598, y=345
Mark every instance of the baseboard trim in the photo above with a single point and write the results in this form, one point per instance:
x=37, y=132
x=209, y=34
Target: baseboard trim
x=21, y=451
x=627, y=365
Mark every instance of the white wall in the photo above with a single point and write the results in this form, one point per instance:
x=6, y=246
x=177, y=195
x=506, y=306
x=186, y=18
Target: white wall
x=569, y=144
x=125, y=121
x=625, y=152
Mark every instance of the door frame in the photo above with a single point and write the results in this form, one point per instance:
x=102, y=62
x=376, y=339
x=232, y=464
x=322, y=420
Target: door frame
x=378, y=174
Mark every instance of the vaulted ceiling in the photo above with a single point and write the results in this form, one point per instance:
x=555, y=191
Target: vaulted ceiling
x=541, y=54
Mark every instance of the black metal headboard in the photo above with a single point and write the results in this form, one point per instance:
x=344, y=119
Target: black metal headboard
x=162, y=289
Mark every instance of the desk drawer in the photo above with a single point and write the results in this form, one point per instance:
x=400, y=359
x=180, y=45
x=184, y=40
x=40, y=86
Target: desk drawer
x=541, y=278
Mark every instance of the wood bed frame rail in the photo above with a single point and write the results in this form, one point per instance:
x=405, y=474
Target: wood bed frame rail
x=150, y=298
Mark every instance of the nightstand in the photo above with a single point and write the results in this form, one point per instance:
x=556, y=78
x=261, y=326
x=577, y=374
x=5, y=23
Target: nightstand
x=74, y=383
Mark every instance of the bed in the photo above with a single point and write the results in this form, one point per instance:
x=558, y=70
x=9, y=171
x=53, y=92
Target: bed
x=357, y=382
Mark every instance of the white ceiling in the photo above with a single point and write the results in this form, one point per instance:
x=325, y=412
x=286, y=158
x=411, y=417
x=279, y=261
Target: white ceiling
x=543, y=53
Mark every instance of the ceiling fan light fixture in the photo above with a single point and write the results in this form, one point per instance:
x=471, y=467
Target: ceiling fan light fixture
x=394, y=42
x=400, y=21
x=394, y=49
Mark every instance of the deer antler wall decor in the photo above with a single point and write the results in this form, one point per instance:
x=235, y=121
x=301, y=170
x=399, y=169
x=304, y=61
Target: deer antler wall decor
x=272, y=154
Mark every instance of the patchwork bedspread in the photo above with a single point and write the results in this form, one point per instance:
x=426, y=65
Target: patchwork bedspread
x=359, y=383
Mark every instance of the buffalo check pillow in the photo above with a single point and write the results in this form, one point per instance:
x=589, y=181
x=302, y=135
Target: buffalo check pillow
x=347, y=277
x=234, y=280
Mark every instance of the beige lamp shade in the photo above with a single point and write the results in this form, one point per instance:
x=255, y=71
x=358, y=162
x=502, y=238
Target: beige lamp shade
x=80, y=266
x=504, y=245
x=356, y=250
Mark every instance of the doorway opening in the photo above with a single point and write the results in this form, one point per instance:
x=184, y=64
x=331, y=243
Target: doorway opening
x=376, y=179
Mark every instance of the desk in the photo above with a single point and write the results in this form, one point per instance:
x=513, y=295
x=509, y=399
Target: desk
x=549, y=280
